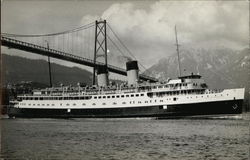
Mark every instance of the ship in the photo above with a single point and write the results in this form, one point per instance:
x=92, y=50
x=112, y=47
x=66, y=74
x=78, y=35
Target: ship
x=185, y=96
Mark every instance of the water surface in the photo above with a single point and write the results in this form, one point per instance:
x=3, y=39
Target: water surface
x=147, y=139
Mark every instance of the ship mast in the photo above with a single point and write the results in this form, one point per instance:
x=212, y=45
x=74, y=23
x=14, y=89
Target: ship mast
x=177, y=49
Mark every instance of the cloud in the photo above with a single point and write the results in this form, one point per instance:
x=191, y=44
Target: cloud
x=150, y=32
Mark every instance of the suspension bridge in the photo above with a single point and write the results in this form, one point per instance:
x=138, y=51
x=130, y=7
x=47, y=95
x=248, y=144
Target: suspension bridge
x=75, y=46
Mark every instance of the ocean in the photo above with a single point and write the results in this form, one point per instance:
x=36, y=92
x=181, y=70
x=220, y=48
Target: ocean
x=122, y=139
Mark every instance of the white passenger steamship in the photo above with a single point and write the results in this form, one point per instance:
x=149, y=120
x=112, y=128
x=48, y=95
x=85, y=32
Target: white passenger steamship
x=184, y=96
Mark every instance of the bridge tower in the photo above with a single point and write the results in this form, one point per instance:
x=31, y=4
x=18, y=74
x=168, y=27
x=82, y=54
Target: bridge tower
x=100, y=49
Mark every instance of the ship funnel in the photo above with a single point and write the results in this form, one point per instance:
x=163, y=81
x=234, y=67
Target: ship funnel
x=102, y=76
x=132, y=72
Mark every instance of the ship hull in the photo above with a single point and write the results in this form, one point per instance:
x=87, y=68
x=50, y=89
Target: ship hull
x=163, y=111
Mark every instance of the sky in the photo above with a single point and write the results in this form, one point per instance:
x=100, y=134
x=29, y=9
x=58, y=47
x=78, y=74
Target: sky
x=145, y=26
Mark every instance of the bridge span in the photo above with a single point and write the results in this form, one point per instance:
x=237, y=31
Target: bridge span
x=37, y=49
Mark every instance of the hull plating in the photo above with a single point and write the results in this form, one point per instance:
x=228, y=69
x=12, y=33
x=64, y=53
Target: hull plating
x=209, y=108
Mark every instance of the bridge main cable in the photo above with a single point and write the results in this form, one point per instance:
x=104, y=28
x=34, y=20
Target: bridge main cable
x=50, y=34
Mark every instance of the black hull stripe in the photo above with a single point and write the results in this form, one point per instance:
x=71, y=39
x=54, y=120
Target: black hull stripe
x=210, y=108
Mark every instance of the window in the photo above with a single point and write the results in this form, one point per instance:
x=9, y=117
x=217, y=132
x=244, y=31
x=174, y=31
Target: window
x=118, y=96
x=104, y=97
x=95, y=97
x=108, y=96
x=123, y=102
x=113, y=96
x=83, y=104
x=127, y=95
x=103, y=103
x=174, y=99
x=114, y=103
x=100, y=97
x=122, y=96
x=52, y=104
x=161, y=100
x=74, y=104
x=132, y=95
x=142, y=94
x=137, y=95
x=67, y=104
x=93, y=104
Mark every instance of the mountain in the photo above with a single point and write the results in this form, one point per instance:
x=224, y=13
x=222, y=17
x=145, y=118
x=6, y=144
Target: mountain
x=220, y=68
x=16, y=69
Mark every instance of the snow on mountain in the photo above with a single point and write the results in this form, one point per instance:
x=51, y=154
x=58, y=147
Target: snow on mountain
x=220, y=68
